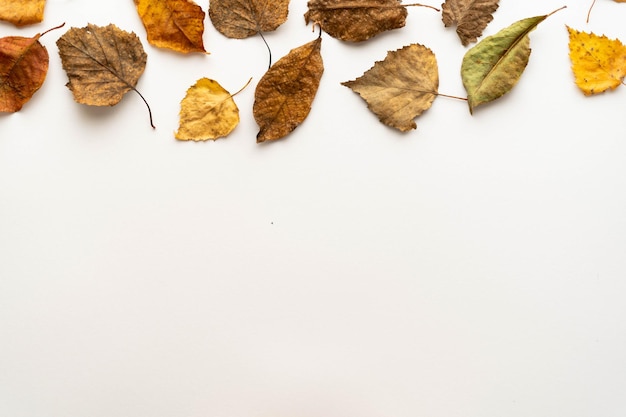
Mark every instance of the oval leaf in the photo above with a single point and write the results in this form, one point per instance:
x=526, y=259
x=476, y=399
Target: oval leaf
x=243, y=18
x=284, y=95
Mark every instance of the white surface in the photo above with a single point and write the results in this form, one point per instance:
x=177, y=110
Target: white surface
x=471, y=268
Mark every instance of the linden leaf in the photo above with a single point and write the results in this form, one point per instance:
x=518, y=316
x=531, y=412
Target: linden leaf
x=23, y=69
x=471, y=17
x=285, y=93
x=208, y=111
x=102, y=64
x=173, y=24
x=598, y=63
x=492, y=67
x=401, y=87
x=243, y=18
x=356, y=20
x=22, y=12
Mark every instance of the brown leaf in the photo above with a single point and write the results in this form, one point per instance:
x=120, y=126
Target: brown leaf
x=173, y=24
x=356, y=20
x=284, y=95
x=23, y=69
x=471, y=17
x=22, y=12
x=243, y=18
x=102, y=63
x=401, y=87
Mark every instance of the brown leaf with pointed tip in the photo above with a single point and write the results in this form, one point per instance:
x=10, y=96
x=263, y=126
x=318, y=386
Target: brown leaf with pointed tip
x=102, y=63
x=173, y=24
x=356, y=20
x=284, y=95
x=23, y=69
x=471, y=17
x=243, y=18
x=401, y=87
x=22, y=12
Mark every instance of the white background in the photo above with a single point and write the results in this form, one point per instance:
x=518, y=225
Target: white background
x=473, y=267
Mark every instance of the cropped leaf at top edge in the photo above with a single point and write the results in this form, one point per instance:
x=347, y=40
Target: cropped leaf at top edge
x=102, y=63
x=285, y=94
x=244, y=18
x=492, y=67
x=22, y=12
x=470, y=17
x=598, y=63
x=177, y=25
x=208, y=112
x=356, y=20
x=401, y=87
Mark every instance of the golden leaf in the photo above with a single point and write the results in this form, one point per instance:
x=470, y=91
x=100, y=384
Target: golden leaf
x=284, y=95
x=22, y=12
x=401, y=87
x=598, y=63
x=173, y=24
x=102, y=64
x=243, y=18
x=471, y=17
x=208, y=111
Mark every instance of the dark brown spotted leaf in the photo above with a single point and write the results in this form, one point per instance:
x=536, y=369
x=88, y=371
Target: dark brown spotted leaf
x=243, y=18
x=471, y=17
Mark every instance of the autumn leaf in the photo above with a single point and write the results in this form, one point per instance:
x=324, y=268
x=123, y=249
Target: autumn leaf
x=285, y=93
x=401, y=87
x=243, y=18
x=492, y=67
x=23, y=69
x=471, y=17
x=22, y=12
x=173, y=24
x=357, y=20
x=208, y=111
x=102, y=64
x=598, y=63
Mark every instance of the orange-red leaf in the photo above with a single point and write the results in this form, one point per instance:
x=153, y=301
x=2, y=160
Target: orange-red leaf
x=173, y=24
x=22, y=12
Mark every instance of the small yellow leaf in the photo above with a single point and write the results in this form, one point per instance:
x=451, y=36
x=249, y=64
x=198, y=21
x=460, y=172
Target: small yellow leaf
x=22, y=12
x=598, y=63
x=208, y=111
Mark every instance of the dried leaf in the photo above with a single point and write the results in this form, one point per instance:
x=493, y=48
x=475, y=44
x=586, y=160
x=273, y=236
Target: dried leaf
x=243, y=18
x=173, y=24
x=23, y=69
x=598, y=63
x=208, y=111
x=102, y=64
x=22, y=12
x=492, y=67
x=284, y=95
x=401, y=87
x=471, y=17
x=356, y=20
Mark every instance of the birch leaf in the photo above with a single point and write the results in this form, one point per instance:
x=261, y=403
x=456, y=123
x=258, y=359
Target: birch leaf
x=22, y=12
x=401, y=87
x=244, y=18
x=285, y=93
x=173, y=24
x=208, y=111
x=598, y=63
x=492, y=67
x=102, y=64
x=471, y=17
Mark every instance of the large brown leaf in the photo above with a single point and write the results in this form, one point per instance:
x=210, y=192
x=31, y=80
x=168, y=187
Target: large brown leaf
x=22, y=12
x=471, y=17
x=356, y=20
x=401, y=87
x=102, y=63
x=284, y=95
x=173, y=24
x=243, y=18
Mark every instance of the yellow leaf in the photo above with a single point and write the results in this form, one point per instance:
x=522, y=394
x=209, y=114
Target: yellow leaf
x=598, y=63
x=22, y=12
x=173, y=24
x=208, y=111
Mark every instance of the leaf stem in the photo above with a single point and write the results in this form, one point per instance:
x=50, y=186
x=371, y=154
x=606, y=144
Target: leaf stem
x=421, y=5
x=147, y=105
x=557, y=10
x=51, y=29
x=589, y=11
x=268, y=48
x=454, y=97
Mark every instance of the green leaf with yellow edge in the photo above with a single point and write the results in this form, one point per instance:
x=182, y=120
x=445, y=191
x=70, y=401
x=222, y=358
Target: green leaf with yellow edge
x=493, y=66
